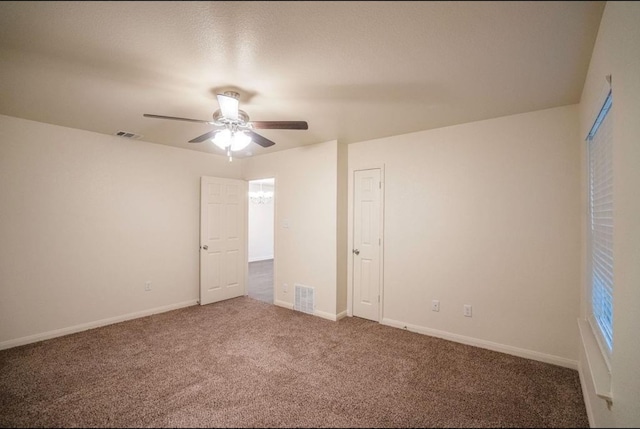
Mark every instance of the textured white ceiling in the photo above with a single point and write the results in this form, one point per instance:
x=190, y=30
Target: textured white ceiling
x=353, y=70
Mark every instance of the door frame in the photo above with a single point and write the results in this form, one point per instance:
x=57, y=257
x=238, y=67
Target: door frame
x=275, y=232
x=350, y=212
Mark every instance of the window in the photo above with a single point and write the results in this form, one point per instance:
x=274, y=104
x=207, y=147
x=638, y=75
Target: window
x=599, y=141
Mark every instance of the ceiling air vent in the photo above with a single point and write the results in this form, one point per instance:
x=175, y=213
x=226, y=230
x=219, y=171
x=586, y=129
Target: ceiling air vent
x=127, y=135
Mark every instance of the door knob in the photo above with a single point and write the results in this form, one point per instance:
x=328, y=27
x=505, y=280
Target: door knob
x=205, y=247
x=356, y=251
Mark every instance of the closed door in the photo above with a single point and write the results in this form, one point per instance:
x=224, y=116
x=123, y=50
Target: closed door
x=366, y=244
x=223, y=246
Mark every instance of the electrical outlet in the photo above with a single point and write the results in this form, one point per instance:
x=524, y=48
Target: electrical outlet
x=435, y=305
x=284, y=287
x=147, y=286
x=467, y=310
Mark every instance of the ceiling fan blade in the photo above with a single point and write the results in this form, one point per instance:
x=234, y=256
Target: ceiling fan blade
x=147, y=115
x=228, y=106
x=205, y=136
x=259, y=140
x=280, y=125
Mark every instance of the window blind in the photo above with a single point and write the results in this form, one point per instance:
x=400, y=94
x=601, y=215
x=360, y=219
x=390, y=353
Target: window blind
x=600, y=141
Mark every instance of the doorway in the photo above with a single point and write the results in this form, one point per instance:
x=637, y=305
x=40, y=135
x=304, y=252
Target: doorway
x=261, y=239
x=367, y=242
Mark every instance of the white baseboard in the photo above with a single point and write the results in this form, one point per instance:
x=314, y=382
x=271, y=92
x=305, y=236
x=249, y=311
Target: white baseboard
x=325, y=315
x=91, y=325
x=287, y=305
x=321, y=314
x=515, y=351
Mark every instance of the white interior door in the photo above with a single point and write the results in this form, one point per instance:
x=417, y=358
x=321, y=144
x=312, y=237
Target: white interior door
x=366, y=244
x=223, y=244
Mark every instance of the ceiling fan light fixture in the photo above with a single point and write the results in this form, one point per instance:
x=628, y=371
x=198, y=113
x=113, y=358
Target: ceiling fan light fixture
x=226, y=140
x=239, y=141
x=222, y=139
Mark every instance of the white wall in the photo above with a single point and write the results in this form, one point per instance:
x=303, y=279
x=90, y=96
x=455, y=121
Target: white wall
x=86, y=219
x=260, y=225
x=487, y=214
x=305, y=250
x=617, y=52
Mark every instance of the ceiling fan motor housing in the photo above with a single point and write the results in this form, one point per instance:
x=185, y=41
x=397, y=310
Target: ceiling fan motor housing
x=242, y=120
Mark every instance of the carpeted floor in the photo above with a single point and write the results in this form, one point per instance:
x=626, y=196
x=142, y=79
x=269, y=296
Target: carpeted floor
x=245, y=363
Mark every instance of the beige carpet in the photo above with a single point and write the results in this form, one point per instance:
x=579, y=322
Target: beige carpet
x=245, y=363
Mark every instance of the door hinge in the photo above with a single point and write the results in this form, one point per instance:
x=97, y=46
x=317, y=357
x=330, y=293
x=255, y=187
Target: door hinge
x=379, y=185
x=379, y=241
x=378, y=299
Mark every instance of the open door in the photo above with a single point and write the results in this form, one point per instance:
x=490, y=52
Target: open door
x=223, y=244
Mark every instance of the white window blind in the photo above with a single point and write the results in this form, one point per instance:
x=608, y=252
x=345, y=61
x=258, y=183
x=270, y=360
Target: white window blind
x=601, y=223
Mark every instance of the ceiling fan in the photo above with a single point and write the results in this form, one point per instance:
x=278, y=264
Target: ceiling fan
x=236, y=130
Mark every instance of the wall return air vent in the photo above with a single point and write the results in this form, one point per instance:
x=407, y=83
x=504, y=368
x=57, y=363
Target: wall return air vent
x=127, y=135
x=304, y=299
